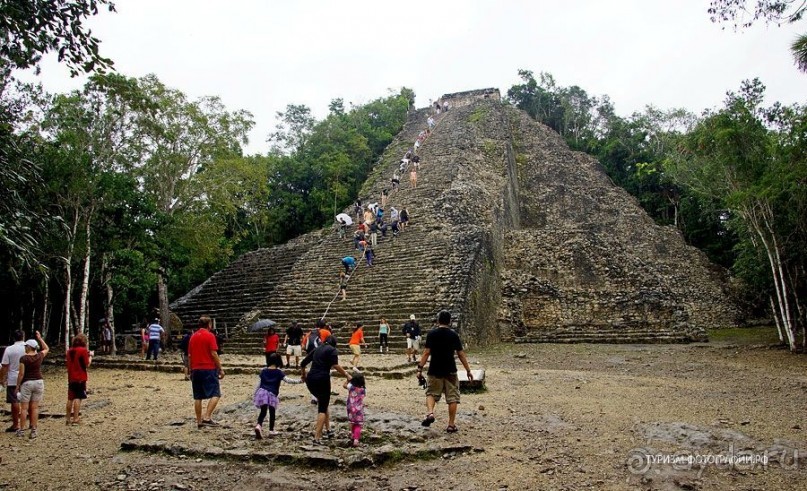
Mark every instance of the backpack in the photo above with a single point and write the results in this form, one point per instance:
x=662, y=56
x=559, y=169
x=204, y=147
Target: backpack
x=183, y=343
x=313, y=340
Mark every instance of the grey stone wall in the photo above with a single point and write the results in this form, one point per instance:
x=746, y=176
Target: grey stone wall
x=459, y=99
x=589, y=264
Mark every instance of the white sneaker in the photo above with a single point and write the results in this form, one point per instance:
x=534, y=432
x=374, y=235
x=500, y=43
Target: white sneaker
x=258, y=432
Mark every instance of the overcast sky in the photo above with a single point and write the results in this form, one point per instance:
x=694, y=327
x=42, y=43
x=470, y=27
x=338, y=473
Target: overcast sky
x=261, y=55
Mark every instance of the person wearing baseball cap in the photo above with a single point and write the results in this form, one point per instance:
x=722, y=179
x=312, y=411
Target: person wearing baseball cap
x=30, y=383
x=412, y=332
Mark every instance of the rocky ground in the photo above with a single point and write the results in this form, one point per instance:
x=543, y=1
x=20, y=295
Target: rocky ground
x=552, y=417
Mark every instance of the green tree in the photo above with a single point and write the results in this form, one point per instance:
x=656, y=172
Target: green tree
x=778, y=12
x=799, y=50
x=31, y=28
x=181, y=137
x=19, y=177
x=293, y=128
x=733, y=156
x=237, y=190
x=321, y=165
x=91, y=141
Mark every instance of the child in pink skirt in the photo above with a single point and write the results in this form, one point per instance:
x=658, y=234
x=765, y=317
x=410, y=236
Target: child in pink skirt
x=355, y=406
x=267, y=391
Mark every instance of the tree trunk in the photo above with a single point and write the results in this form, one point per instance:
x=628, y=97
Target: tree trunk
x=769, y=242
x=74, y=319
x=68, y=288
x=162, y=293
x=776, y=319
x=84, y=303
x=46, y=308
x=106, y=275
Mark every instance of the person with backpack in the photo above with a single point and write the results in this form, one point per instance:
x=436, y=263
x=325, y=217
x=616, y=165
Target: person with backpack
x=358, y=236
x=412, y=332
x=314, y=337
x=293, y=344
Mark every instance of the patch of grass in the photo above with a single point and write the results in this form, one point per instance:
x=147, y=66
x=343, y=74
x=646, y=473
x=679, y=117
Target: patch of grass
x=489, y=148
x=521, y=158
x=477, y=115
x=745, y=335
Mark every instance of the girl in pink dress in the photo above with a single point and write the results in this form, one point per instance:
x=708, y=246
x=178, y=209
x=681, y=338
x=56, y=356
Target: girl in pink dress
x=355, y=406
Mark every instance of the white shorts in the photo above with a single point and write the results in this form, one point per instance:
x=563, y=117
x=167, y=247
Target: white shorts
x=295, y=350
x=412, y=344
x=32, y=391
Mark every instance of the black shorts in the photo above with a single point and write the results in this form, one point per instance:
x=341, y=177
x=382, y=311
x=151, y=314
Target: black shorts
x=11, y=394
x=205, y=384
x=76, y=390
x=321, y=389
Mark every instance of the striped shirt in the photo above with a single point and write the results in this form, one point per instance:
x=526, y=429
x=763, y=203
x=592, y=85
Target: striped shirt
x=155, y=331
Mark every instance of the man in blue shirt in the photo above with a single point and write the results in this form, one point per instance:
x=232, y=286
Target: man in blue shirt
x=156, y=334
x=349, y=263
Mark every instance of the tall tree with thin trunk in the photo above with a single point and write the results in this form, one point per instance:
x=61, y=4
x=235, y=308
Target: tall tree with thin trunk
x=734, y=157
x=181, y=137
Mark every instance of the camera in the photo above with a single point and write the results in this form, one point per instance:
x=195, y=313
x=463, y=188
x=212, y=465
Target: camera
x=421, y=381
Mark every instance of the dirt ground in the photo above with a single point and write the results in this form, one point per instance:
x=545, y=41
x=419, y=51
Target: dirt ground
x=552, y=417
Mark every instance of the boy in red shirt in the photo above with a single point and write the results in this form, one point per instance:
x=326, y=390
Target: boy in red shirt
x=78, y=360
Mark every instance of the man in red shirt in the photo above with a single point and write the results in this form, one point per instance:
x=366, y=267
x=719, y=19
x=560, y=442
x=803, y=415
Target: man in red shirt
x=206, y=371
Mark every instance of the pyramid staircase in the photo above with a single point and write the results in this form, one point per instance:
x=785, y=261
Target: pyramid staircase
x=299, y=281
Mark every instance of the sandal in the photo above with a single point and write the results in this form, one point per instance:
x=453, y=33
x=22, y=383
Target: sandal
x=428, y=421
x=451, y=429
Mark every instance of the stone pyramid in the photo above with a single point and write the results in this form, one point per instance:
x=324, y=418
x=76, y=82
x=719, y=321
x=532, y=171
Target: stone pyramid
x=519, y=237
